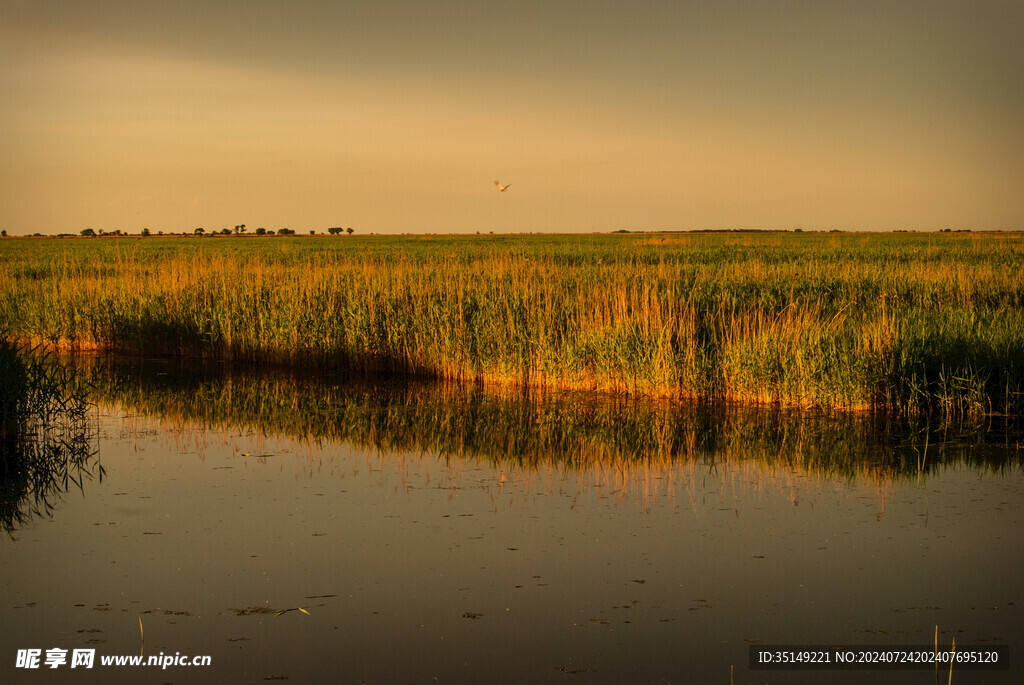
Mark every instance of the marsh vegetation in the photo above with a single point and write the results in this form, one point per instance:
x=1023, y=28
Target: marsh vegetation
x=905, y=323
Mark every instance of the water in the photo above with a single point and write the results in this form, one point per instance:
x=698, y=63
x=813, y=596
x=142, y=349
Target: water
x=419, y=533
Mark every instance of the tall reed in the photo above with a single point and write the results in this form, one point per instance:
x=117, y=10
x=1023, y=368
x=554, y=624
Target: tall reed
x=910, y=323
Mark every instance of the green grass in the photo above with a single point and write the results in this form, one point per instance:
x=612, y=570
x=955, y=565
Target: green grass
x=909, y=323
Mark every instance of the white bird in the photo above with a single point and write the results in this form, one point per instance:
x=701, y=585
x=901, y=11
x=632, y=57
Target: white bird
x=502, y=188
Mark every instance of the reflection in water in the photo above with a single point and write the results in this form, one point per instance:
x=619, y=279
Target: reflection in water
x=624, y=445
x=379, y=510
x=47, y=436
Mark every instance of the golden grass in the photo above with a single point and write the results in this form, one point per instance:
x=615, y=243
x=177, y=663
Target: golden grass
x=911, y=323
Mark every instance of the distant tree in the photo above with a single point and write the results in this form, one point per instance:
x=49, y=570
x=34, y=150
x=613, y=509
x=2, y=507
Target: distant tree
x=350, y=230
x=145, y=232
x=261, y=231
x=312, y=232
x=89, y=232
x=225, y=231
x=3, y=233
x=286, y=231
x=199, y=231
x=270, y=232
x=242, y=228
x=335, y=230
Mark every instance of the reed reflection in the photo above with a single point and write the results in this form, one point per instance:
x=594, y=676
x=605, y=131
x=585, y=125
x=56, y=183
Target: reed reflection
x=47, y=436
x=617, y=438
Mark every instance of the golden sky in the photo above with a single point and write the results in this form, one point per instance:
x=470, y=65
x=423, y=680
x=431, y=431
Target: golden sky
x=396, y=116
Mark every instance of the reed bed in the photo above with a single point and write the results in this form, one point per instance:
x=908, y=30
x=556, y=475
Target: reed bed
x=911, y=323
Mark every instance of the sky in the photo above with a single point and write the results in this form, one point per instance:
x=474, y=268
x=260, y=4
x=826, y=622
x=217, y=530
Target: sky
x=397, y=116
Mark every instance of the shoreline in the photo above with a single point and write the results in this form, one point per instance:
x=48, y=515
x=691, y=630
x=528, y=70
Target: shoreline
x=544, y=386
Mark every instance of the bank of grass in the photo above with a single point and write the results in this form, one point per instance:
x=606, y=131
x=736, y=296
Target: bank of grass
x=903, y=322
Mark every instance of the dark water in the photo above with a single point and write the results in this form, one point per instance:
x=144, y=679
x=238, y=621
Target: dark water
x=420, y=533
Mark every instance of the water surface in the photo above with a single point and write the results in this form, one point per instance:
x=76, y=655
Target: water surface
x=458, y=535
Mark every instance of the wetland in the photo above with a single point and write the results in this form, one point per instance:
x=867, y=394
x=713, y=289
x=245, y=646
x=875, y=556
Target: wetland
x=601, y=459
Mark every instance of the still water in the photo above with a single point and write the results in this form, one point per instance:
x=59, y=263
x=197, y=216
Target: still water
x=321, y=530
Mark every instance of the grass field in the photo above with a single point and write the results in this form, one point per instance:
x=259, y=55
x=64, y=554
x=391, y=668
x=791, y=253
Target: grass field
x=902, y=322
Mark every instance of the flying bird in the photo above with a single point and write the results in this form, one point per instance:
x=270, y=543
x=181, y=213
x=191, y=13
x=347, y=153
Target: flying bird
x=502, y=188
